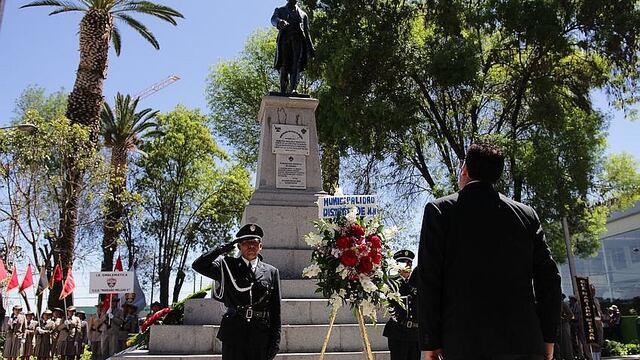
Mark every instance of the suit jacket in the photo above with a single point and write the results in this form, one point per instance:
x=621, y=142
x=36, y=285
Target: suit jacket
x=487, y=282
x=265, y=296
x=283, y=13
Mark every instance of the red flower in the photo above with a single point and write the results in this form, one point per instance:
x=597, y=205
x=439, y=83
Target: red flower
x=153, y=318
x=349, y=258
x=375, y=257
x=357, y=230
x=343, y=242
x=375, y=241
x=365, y=265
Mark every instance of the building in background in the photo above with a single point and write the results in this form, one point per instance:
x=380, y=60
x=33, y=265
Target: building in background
x=615, y=271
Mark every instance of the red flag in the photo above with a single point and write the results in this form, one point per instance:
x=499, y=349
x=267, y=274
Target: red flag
x=13, y=283
x=69, y=285
x=118, y=266
x=27, y=281
x=56, y=276
x=3, y=271
x=106, y=302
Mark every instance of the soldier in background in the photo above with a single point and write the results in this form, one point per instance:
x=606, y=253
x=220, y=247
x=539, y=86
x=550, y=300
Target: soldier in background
x=69, y=330
x=129, y=325
x=58, y=323
x=96, y=327
x=30, y=330
x=43, y=350
x=402, y=328
x=15, y=333
x=113, y=319
x=83, y=335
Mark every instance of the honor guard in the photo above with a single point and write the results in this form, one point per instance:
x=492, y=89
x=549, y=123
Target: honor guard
x=402, y=328
x=250, y=289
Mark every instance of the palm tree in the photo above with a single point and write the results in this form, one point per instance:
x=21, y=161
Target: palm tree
x=98, y=28
x=123, y=131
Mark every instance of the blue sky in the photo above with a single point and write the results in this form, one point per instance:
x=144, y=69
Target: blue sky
x=36, y=49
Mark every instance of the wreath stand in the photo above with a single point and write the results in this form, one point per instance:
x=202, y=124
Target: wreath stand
x=363, y=332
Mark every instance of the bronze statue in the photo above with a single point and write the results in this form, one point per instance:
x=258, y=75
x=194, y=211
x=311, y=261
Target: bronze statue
x=294, y=45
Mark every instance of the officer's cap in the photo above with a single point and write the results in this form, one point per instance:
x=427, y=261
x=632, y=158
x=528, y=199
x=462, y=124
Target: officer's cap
x=404, y=256
x=17, y=307
x=250, y=232
x=71, y=308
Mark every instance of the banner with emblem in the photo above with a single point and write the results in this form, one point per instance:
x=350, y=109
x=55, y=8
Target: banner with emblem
x=111, y=282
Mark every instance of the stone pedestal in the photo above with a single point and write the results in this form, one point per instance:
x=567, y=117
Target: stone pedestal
x=286, y=215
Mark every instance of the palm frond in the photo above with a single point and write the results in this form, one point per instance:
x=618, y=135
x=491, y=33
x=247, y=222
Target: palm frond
x=146, y=7
x=140, y=28
x=62, y=6
x=116, y=39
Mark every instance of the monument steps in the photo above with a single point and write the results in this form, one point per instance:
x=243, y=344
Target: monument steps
x=201, y=339
x=144, y=355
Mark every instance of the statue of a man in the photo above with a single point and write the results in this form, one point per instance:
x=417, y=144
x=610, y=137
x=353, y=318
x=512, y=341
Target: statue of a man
x=294, y=44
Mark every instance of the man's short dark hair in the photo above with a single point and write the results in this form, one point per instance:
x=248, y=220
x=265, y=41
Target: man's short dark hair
x=485, y=162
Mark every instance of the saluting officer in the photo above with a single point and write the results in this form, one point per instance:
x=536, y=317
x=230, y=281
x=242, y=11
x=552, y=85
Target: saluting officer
x=402, y=328
x=250, y=289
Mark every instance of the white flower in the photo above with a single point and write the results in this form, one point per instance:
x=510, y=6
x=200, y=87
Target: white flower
x=367, y=285
x=394, y=267
x=378, y=273
x=338, y=192
x=313, y=239
x=391, y=232
x=335, y=253
x=333, y=227
x=373, y=226
x=368, y=309
x=395, y=296
x=336, y=300
x=311, y=271
x=385, y=288
x=352, y=216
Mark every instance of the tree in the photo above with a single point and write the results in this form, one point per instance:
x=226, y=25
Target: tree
x=412, y=84
x=192, y=195
x=123, y=131
x=97, y=30
x=32, y=180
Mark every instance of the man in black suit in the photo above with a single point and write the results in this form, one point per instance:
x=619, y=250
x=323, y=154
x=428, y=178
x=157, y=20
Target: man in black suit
x=250, y=289
x=480, y=249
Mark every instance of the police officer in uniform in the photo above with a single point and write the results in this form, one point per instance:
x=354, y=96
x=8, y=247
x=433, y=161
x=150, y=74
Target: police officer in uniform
x=250, y=289
x=402, y=328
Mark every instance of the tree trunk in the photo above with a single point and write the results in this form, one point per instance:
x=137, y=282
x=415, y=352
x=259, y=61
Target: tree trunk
x=330, y=166
x=163, y=277
x=112, y=226
x=177, y=286
x=83, y=107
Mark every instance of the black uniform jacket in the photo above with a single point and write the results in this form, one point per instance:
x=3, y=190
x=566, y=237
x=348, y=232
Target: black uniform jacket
x=263, y=297
x=400, y=325
x=487, y=282
x=284, y=13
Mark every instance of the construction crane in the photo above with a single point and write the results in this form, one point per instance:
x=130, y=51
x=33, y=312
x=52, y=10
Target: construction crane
x=157, y=87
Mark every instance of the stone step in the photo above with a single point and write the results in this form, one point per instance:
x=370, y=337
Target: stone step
x=293, y=312
x=145, y=355
x=297, y=289
x=200, y=339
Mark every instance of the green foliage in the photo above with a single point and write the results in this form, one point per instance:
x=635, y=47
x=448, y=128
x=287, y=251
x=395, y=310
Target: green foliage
x=414, y=83
x=614, y=348
x=235, y=89
x=120, y=10
x=126, y=127
x=192, y=195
